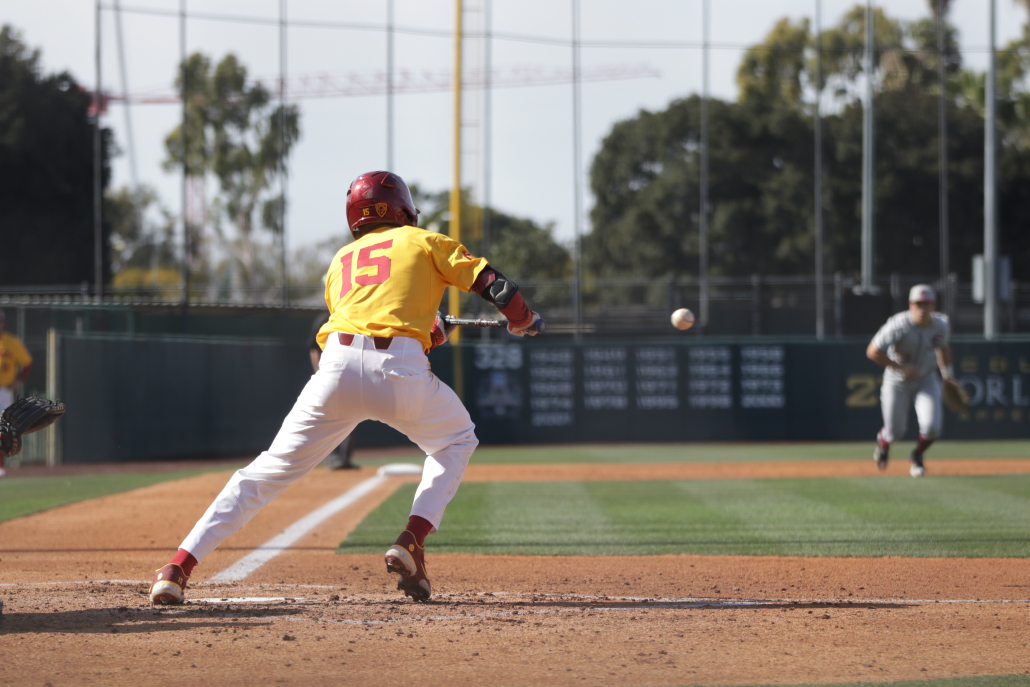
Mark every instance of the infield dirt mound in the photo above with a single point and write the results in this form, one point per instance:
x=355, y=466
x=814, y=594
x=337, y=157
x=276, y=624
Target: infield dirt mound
x=317, y=617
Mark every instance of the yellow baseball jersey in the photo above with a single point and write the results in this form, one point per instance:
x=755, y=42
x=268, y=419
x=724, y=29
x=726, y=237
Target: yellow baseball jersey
x=12, y=356
x=390, y=282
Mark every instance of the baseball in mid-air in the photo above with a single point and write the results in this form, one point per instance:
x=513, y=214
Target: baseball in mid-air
x=682, y=319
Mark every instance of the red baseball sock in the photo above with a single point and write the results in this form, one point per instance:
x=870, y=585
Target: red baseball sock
x=884, y=444
x=420, y=527
x=185, y=560
x=923, y=444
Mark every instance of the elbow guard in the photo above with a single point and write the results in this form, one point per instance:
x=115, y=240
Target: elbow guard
x=495, y=288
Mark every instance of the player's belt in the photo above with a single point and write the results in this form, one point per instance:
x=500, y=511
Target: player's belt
x=381, y=342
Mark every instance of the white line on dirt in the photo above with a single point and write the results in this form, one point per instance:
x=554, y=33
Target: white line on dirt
x=644, y=601
x=282, y=541
x=246, y=599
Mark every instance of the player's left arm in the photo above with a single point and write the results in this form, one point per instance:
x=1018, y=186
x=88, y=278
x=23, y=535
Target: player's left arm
x=944, y=350
x=944, y=362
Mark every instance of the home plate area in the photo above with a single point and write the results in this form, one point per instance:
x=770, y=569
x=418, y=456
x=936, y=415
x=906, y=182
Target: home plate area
x=309, y=633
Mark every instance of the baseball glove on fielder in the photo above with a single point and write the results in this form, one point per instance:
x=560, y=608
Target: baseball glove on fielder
x=25, y=416
x=955, y=397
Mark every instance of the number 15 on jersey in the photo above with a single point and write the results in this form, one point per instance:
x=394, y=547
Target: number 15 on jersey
x=365, y=259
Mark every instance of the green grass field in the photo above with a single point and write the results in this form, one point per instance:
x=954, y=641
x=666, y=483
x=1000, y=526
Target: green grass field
x=720, y=453
x=981, y=516
x=25, y=495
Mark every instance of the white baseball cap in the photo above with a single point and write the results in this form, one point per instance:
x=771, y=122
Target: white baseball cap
x=920, y=293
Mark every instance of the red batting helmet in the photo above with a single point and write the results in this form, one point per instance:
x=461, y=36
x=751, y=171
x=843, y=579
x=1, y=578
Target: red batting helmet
x=379, y=198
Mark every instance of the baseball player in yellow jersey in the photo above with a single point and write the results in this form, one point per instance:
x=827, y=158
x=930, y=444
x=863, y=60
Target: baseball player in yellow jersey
x=15, y=363
x=383, y=292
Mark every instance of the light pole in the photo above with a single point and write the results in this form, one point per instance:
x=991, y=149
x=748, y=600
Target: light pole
x=820, y=322
x=703, y=225
x=868, y=244
x=577, y=191
x=991, y=192
x=98, y=171
x=942, y=125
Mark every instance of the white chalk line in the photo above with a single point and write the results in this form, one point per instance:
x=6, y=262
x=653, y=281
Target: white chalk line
x=285, y=539
x=644, y=601
x=147, y=582
x=246, y=599
x=270, y=549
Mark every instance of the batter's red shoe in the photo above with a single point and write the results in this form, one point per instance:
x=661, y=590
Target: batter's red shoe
x=408, y=559
x=169, y=586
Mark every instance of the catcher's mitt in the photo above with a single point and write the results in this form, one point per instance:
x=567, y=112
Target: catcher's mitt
x=25, y=416
x=955, y=397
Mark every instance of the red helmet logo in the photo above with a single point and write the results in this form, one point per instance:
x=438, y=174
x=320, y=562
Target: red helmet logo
x=384, y=193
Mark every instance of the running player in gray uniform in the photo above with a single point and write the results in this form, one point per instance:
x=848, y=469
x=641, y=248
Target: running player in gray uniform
x=909, y=346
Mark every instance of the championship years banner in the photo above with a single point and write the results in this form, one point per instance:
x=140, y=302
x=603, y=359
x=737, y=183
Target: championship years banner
x=716, y=391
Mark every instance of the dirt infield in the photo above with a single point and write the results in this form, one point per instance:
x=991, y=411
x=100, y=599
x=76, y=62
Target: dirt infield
x=75, y=608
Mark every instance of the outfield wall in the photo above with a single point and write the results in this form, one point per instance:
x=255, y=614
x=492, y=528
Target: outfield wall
x=722, y=391
x=141, y=398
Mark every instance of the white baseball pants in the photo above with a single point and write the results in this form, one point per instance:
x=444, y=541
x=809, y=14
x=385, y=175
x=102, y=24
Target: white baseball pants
x=353, y=383
x=897, y=397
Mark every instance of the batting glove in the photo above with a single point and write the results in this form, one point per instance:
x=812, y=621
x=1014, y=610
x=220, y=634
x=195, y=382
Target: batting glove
x=527, y=328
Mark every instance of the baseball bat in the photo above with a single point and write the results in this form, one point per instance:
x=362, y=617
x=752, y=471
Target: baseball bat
x=492, y=324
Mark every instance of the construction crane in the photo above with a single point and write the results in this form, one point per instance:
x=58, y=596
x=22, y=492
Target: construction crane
x=356, y=84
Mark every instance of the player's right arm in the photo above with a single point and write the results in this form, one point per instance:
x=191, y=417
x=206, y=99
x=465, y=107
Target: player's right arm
x=476, y=275
x=883, y=360
x=876, y=351
x=503, y=294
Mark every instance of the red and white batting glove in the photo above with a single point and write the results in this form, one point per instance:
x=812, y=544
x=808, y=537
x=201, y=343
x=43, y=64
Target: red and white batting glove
x=438, y=334
x=526, y=327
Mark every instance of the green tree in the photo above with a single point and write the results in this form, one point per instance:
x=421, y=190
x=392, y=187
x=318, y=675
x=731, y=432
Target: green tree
x=645, y=177
x=233, y=132
x=775, y=72
x=46, y=163
x=645, y=180
x=143, y=251
x=519, y=247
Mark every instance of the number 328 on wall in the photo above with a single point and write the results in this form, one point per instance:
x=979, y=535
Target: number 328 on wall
x=863, y=388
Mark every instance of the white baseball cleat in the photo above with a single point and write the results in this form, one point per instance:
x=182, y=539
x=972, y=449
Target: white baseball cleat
x=916, y=469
